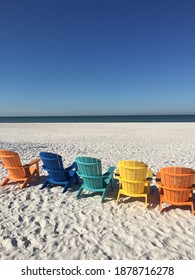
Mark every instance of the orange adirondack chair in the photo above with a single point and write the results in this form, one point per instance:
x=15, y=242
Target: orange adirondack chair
x=16, y=171
x=176, y=186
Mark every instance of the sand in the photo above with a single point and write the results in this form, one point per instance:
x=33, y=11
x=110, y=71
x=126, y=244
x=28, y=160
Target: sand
x=50, y=225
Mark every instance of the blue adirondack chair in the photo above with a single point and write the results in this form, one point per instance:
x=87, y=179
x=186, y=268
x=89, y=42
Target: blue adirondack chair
x=58, y=175
x=90, y=170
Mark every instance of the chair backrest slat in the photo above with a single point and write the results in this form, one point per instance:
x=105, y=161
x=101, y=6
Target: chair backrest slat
x=51, y=161
x=53, y=164
x=175, y=178
x=132, y=176
x=90, y=169
x=11, y=161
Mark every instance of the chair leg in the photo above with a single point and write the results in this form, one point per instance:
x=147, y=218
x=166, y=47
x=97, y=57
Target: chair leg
x=147, y=189
x=103, y=195
x=79, y=192
x=25, y=183
x=37, y=170
x=161, y=202
x=192, y=208
x=111, y=185
x=37, y=174
x=65, y=187
x=32, y=172
x=118, y=197
x=44, y=185
x=76, y=179
x=146, y=200
x=5, y=181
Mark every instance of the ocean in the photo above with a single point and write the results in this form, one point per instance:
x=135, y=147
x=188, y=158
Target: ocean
x=100, y=119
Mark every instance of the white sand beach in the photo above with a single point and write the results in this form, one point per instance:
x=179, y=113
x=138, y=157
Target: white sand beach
x=49, y=225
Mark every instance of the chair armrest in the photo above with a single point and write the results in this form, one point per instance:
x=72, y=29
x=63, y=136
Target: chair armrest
x=78, y=173
x=108, y=176
x=34, y=161
x=108, y=179
x=150, y=173
x=109, y=171
x=72, y=166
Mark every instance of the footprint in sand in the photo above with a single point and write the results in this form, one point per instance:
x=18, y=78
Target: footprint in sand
x=20, y=219
x=10, y=205
x=14, y=242
x=55, y=228
x=26, y=242
x=28, y=197
x=32, y=218
x=38, y=230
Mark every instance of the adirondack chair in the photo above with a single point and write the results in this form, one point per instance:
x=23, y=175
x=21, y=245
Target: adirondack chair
x=90, y=170
x=133, y=181
x=16, y=171
x=58, y=175
x=176, y=186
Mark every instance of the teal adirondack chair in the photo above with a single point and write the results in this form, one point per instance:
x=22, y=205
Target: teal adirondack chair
x=90, y=170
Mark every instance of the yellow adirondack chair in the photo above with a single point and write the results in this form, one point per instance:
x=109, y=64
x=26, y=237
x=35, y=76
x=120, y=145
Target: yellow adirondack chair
x=16, y=171
x=133, y=181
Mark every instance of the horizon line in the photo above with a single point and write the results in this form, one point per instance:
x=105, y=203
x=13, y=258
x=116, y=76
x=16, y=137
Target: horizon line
x=56, y=116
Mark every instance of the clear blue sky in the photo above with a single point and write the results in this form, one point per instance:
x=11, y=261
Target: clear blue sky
x=97, y=57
